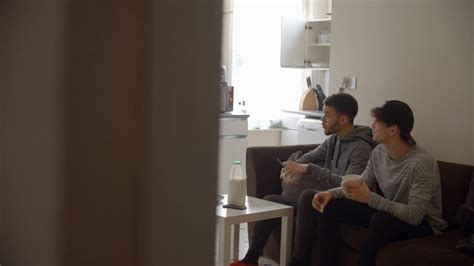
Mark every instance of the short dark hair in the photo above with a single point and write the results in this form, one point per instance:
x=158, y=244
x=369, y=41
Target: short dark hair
x=343, y=103
x=398, y=113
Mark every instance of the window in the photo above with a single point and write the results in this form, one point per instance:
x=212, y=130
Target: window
x=257, y=76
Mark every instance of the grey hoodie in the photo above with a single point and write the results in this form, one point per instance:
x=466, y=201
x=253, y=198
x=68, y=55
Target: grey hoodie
x=348, y=155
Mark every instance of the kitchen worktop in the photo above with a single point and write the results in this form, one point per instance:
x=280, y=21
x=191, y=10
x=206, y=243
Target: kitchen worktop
x=234, y=115
x=307, y=114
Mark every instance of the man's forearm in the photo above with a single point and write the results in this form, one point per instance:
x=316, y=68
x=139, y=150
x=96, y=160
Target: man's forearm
x=411, y=214
x=323, y=175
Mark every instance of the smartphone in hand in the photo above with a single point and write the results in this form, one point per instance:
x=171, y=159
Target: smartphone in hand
x=280, y=162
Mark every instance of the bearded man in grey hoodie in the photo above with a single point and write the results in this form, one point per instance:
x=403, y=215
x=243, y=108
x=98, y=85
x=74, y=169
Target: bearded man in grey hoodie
x=346, y=151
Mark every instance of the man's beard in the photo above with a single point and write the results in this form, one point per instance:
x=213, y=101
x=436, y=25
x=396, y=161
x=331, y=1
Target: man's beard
x=332, y=130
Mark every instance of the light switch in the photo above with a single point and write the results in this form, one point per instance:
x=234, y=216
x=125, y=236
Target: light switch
x=349, y=83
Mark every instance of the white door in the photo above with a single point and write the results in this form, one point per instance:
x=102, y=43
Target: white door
x=293, y=42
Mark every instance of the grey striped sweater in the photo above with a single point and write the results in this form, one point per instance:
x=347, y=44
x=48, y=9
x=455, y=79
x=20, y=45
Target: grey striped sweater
x=409, y=187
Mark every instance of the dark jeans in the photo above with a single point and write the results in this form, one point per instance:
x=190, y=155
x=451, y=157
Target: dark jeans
x=263, y=229
x=383, y=229
x=468, y=222
x=306, y=221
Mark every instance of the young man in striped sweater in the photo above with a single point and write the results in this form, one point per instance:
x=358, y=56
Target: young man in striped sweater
x=397, y=198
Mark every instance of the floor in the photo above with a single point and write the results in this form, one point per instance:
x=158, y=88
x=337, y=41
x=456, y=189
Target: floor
x=244, y=245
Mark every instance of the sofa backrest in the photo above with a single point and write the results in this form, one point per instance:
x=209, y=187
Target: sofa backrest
x=455, y=180
x=262, y=162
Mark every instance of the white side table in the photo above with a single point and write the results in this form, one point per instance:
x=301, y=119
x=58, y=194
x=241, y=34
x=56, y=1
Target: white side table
x=257, y=210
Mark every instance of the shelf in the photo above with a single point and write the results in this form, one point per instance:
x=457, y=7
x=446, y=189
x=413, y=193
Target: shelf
x=320, y=20
x=305, y=44
x=319, y=44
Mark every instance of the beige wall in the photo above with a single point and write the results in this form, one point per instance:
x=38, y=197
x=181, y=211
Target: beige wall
x=91, y=157
x=414, y=51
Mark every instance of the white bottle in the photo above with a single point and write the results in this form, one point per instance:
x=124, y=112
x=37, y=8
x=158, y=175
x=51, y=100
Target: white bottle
x=237, y=185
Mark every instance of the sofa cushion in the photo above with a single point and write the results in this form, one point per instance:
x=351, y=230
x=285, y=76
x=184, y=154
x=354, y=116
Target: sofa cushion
x=455, y=180
x=466, y=210
x=432, y=250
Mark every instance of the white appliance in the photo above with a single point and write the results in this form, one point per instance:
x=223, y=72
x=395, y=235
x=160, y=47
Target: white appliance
x=232, y=146
x=289, y=131
x=310, y=131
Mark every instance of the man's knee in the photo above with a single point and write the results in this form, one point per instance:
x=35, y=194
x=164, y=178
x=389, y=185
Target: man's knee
x=332, y=209
x=380, y=220
x=306, y=197
x=277, y=198
x=271, y=197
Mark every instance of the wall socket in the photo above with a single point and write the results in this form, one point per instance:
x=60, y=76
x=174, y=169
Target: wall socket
x=349, y=83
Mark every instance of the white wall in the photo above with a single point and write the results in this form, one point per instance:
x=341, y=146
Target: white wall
x=414, y=51
x=263, y=137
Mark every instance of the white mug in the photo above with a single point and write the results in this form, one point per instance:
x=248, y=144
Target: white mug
x=351, y=180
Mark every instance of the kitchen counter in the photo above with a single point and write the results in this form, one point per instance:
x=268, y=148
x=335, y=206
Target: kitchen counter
x=307, y=114
x=234, y=115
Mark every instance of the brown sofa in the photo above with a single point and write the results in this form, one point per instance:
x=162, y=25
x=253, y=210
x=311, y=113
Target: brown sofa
x=263, y=179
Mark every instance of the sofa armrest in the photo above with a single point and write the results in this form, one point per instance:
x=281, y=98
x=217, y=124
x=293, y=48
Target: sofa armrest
x=263, y=170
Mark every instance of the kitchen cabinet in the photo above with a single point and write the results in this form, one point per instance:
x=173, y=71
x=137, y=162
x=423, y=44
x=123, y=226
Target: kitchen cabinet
x=289, y=137
x=305, y=44
x=233, y=131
